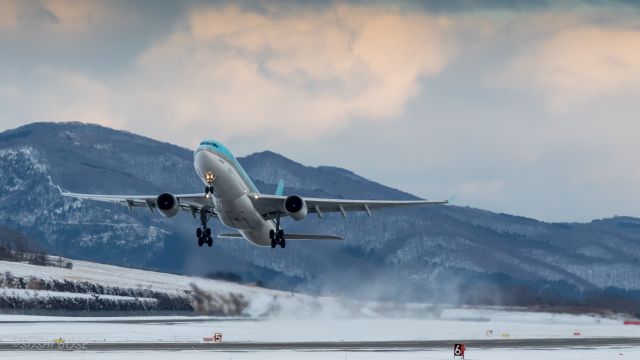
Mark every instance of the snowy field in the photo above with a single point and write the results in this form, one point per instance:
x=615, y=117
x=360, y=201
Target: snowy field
x=261, y=302
x=109, y=275
x=276, y=316
x=453, y=324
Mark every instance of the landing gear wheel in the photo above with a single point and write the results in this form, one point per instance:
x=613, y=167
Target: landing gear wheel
x=277, y=235
x=204, y=232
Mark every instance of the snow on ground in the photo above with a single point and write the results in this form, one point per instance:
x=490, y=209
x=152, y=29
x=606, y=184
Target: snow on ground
x=492, y=354
x=522, y=326
x=28, y=294
x=261, y=301
x=299, y=318
x=109, y=275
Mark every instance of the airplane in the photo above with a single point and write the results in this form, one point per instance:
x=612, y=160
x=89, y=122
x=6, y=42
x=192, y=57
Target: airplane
x=230, y=196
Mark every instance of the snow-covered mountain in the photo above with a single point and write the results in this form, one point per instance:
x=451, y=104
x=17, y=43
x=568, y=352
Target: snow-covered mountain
x=448, y=252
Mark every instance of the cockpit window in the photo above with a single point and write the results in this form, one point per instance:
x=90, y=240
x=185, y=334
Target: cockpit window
x=210, y=144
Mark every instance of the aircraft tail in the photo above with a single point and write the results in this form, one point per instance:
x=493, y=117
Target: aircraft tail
x=280, y=189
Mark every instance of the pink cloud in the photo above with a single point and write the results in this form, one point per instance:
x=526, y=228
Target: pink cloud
x=579, y=64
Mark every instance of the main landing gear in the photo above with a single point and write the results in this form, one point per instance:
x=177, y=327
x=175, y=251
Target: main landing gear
x=277, y=235
x=203, y=232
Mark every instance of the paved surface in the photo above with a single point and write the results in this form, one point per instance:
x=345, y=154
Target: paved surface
x=106, y=320
x=340, y=345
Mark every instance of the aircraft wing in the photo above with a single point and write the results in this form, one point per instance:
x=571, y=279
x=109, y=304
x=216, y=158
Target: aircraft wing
x=272, y=205
x=188, y=202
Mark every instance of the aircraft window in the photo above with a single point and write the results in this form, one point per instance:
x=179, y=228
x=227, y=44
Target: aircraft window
x=210, y=144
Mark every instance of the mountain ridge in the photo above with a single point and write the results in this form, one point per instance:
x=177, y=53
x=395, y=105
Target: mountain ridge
x=408, y=253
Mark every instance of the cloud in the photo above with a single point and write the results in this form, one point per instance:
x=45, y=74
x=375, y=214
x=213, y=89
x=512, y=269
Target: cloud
x=579, y=64
x=67, y=95
x=301, y=74
x=54, y=19
x=511, y=110
x=8, y=14
x=70, y=15
x=304, y=73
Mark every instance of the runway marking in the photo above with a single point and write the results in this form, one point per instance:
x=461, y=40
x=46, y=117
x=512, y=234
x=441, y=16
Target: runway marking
x=341, y=345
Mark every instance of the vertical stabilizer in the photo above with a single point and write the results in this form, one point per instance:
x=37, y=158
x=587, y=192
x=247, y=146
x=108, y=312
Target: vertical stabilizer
x=280, y=189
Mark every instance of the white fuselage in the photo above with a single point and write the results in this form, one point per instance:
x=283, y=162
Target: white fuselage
x=232, y=189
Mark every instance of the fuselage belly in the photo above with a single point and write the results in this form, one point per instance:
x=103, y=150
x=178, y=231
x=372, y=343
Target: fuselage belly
x=231, y=190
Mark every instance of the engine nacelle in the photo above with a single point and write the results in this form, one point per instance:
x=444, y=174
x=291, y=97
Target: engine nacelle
x=295, y=207
x=168, y=205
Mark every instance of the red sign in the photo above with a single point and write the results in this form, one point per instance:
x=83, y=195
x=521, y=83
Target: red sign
x=217, y=337
x=458, y=350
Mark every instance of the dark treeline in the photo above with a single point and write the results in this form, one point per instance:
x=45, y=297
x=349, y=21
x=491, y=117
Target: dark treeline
x=15, y=246
x=554, y=296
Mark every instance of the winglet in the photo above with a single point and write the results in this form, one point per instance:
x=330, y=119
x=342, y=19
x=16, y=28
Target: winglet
x=450, y=200
x=280, y=188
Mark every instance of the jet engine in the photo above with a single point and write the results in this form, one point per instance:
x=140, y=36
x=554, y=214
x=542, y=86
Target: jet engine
x=295, y=207
x=167, y=205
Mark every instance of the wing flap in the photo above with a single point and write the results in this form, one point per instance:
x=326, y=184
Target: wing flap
x=287, y=236
x=270, y=206
x=188, y=202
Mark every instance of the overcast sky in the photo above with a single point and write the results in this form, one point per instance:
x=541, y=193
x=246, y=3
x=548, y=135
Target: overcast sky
x=513, y=106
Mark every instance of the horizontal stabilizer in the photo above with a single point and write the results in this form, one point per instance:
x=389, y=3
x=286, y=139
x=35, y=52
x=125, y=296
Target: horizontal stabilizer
x=231, y=236
x=289, y=236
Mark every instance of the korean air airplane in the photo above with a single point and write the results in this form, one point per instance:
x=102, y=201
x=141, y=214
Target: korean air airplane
x=230, y=196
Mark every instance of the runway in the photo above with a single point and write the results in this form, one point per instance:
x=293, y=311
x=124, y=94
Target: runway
x=331, y=345
x=107, y=320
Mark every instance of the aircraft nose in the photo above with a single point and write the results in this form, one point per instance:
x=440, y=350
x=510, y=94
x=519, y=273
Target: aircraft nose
x=202, y=155
x=197, y=155
x=204, y=162
x=200, y=158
